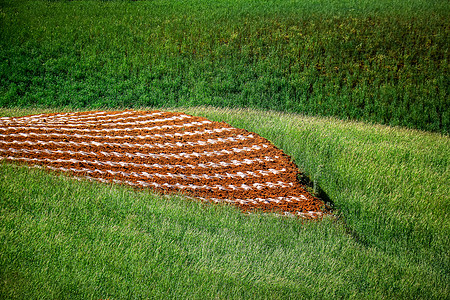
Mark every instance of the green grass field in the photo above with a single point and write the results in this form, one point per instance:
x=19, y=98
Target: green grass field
x=65, y=239
x=320, y=79
x=384, y=61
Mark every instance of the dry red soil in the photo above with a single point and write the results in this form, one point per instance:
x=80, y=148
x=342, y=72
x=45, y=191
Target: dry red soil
x=165, y=151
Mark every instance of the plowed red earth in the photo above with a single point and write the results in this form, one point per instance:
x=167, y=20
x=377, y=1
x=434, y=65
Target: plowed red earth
x=168, y=152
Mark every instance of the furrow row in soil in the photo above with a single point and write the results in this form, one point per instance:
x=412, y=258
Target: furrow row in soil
x=168, y=152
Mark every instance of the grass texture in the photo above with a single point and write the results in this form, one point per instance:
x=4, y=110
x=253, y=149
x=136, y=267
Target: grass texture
x=61, y=238
x=384, y=61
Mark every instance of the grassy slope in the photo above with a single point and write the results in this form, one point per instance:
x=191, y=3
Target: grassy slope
x=65, y=239
x=384, y=61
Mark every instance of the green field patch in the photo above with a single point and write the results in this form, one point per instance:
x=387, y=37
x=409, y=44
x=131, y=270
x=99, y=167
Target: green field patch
x=379, y=61
x=62, y=238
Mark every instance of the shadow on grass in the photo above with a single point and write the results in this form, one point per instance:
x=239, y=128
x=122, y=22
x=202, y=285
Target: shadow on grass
x=315, y=189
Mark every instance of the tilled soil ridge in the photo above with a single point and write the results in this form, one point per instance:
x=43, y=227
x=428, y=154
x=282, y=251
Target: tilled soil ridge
x=165, y=151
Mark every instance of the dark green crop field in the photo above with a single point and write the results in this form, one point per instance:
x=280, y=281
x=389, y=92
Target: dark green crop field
x=380, y=61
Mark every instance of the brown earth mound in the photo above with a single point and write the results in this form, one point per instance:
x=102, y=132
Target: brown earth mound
x=169, y=152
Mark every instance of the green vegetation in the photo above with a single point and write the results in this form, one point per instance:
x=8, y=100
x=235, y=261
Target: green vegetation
x=305, y=71
x=60, y=238
x=382, y=61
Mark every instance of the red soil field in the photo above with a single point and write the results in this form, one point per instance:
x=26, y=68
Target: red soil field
x=165, y=151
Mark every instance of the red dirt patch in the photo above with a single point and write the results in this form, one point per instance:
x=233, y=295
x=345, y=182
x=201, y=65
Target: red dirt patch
x=169, y=152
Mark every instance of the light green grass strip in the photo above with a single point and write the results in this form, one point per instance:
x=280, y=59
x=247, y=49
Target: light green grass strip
x=60, y=238
x=391, y=174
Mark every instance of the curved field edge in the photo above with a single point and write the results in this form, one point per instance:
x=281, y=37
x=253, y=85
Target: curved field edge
x=61, y=238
